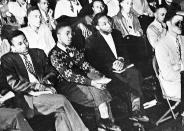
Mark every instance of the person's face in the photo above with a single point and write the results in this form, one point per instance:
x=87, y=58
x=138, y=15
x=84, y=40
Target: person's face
x=22, y=2
x=43, y=5
x=20, y=44
x=160, y=14
x=168, y=2
x=98, y=7
x=34, y=18
x=104, y=25
x=175, y=24
x=65, y=35
x=126, y=5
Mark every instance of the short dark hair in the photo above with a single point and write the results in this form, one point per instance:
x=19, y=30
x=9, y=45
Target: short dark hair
x=159, y=7
x=14, y=34
x=61, y=25
x=97, y=17
x=95, y=1
x=32, y=8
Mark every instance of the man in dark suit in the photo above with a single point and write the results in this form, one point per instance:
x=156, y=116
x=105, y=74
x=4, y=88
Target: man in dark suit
x=106, y=52
x=29, y=75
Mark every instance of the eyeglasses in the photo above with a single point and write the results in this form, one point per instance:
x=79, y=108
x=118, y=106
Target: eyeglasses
x=179, y=24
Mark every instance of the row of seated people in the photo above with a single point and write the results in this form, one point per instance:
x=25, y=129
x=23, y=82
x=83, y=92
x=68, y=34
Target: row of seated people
x=64, y=58
x=109, y=66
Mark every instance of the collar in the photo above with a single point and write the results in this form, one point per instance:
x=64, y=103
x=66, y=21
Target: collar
x=60, y=46
x=157, y=23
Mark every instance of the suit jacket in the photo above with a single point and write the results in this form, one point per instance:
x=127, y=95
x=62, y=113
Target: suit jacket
x=169, y=64
x=17, y=75
x=99, y=54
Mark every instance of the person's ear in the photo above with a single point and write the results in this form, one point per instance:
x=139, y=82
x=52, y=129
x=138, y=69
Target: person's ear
x=12, y=48
x=97, y=27
x=168, y=23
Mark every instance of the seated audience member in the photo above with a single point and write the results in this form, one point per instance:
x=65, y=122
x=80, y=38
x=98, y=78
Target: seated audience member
x=38, y=34
x=105, y=51
x=81, y=88
x=10, y=118
x=19, y=10
x=125, y=21
x=157, y=29
x=28, y=73
x=128, y=23
x=46, y=14
x=97, y=7
x=170, y=56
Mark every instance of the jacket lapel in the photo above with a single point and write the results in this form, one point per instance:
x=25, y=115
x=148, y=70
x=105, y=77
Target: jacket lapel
x=21, y=65
x=105, y=46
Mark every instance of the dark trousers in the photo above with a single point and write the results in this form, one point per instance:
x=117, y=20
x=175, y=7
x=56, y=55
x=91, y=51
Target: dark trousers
x=128, y=83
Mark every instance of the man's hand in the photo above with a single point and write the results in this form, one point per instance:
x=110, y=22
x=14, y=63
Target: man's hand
x=85, y=31
x=117, y=65
x=97, y=85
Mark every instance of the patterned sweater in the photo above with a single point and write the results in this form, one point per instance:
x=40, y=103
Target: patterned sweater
x=66, y=63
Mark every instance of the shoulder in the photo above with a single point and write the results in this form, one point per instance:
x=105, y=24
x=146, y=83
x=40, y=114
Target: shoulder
x=8, y=56
x=37, y=51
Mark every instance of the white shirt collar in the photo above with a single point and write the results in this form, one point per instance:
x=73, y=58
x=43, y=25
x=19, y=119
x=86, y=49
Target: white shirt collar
x=61, y=47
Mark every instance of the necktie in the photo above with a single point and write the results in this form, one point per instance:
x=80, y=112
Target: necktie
x=178, y=47
x=29, y=65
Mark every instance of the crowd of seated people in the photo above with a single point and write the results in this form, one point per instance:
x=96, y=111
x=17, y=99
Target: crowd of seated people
x=85, y=52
